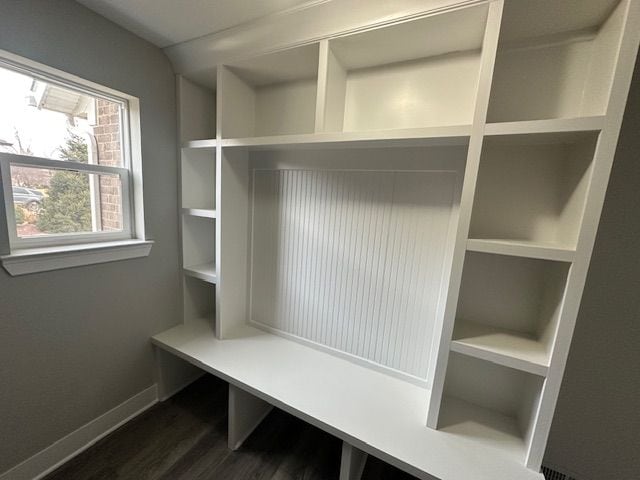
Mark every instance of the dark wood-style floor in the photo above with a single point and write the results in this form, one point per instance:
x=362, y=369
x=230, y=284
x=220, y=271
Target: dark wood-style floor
x=185, y=438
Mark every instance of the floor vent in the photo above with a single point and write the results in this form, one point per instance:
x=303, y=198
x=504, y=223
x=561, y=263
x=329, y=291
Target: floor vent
x=551, y=474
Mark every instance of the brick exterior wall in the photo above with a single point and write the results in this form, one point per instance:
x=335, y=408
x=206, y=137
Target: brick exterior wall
x=107, y=134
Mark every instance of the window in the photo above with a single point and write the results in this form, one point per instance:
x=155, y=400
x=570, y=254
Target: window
x=66, y=160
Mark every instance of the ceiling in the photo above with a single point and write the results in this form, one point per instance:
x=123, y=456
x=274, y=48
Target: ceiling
x=167, y=22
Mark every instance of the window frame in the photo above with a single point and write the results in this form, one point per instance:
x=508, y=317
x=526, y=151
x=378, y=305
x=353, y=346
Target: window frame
x=59, y=239
x=25, y=258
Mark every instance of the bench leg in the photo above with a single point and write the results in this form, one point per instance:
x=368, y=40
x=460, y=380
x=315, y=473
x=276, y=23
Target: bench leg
x=246, y=411
x=352, y=462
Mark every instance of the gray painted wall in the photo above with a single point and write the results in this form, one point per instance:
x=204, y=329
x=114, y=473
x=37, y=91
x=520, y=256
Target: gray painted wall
x=596, y=428
x=75, y=343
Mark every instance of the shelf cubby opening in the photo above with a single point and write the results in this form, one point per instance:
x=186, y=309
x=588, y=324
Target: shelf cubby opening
x=196, y=110
x=556, y=59
x=409, y=75
x=490, y=403
x=273, y=94
x=199, y=301
x=532, y=192
x=198, y=247
x=509, y=309
x=198, y=179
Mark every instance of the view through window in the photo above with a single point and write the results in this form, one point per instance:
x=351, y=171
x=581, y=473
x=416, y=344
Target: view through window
x=44, y=120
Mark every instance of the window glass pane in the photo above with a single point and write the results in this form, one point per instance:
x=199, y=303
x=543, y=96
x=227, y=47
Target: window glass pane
x=52, y=201
x=41, y=119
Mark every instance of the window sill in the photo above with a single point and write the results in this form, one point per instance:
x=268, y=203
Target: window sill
x=23, y=262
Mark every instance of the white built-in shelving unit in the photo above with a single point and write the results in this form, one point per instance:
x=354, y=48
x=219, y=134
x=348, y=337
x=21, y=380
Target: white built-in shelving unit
x=387, y=232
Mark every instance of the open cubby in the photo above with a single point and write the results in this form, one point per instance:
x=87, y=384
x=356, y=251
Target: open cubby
x=413, y=74
x=490, y=402
x=198, y=247
x=349, y=253
x=531, y=191
x=555, y=59
x=198, y=179
x=270, y=95
x=509, y=308
x=199, y=300
x=196, y=111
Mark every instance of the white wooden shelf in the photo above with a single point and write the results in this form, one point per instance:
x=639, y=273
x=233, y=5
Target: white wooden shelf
x=206, y=272
x=434, y=136
x=500, y=346
x=206, y=144
x=559, y=125
x=374, y=412
x=200, y=212
x=521, y=248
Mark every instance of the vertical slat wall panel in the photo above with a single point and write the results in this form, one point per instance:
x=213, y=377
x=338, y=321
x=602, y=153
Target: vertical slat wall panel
x=352, y=260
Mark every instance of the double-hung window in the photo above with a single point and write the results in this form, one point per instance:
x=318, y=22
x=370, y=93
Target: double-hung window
x=67, y=154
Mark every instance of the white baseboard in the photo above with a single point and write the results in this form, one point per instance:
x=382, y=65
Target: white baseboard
x=47, y=460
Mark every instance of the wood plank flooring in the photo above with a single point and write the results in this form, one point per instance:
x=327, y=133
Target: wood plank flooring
x=185, y=438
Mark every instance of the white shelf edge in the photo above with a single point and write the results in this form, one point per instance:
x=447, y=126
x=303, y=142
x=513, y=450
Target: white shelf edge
x=521, y=249
x=559, y=125
x=206, y=144
x=200, y=212
x=205, y=272
x=500, y=346
x=447, y=135
x=468, y=348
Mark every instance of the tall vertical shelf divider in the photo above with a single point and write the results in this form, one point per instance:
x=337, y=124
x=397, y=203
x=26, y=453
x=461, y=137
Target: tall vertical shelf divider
x=387, y=232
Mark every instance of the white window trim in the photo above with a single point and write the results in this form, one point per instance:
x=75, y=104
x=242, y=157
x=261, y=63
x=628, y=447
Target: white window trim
x=22, y=256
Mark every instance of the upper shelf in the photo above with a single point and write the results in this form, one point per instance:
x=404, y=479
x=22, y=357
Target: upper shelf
x=432, y=136
x=389, y=424
x=556, y=59
x=272, y=94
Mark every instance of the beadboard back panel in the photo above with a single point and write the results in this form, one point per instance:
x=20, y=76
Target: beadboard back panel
x=352, y=260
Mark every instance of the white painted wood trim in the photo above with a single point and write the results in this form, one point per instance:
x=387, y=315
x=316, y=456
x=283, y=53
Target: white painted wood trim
x=521, y=249
x=208, y=144
x=499, y=357
x=63, y=450
x=444, y=331
x=200, y=212
x=246, y=411
x=323, y=77
x=352, y=462
x=422, y=136
x=205, y=272
x=33, y=260
x=555, y=125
